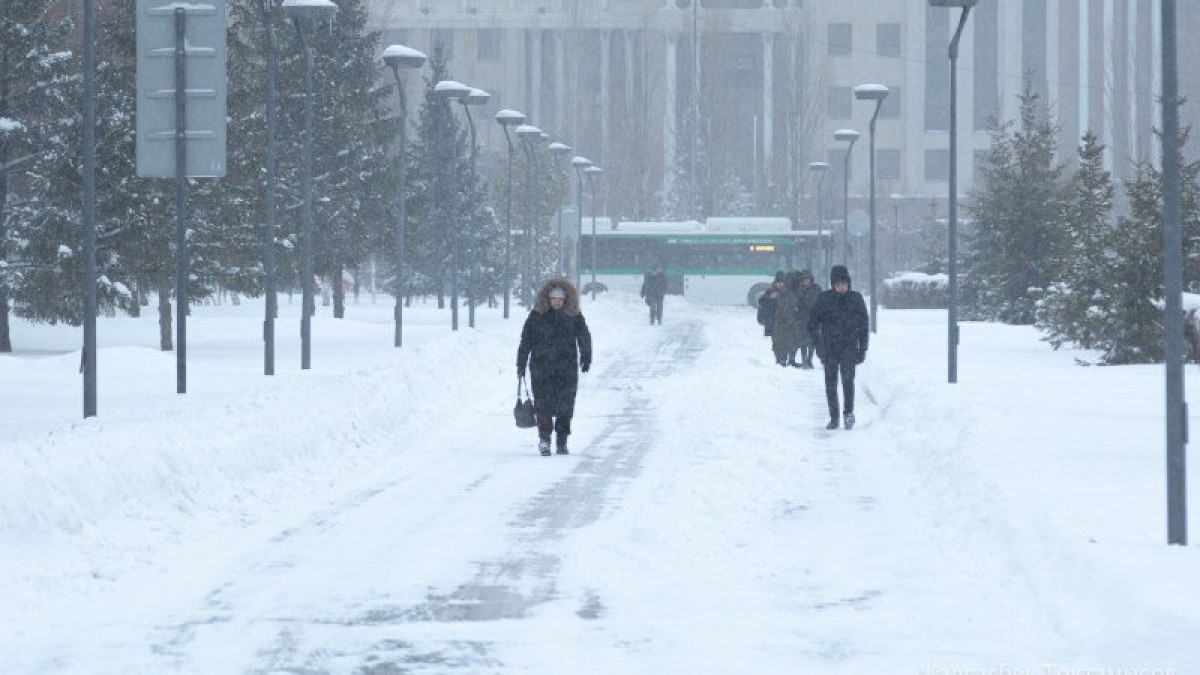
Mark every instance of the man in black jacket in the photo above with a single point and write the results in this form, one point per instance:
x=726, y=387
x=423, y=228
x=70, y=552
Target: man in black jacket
x=838, y=326
x=654, y=289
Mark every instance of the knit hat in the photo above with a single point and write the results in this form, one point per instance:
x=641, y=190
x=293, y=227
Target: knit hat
x=779, y=276
x=558, y=292
x=839, y=273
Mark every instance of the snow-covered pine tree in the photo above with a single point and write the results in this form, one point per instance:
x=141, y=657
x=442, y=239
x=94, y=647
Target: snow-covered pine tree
x=1129, y=306
x=1071, y=311
x=686, y=194
x=38, y=79
x=1016, y=207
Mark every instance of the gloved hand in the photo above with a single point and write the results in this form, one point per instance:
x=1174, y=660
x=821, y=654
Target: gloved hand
x=585, y=366
x=861, y=356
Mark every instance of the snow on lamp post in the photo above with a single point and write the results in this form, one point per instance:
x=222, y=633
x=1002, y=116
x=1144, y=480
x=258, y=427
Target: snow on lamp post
x=397, y=57
x=848, y=136
x=876, y=93
x=303, y=13
x=593, y=172
x=529, y=135
x=508, y=118
x=447, y=91
x=559, y=151
x=820, y=168
x=579, y=164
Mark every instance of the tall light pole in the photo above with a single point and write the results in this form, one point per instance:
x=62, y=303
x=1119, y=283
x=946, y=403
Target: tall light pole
x=820, y=168
x=593, y=172
x=876, y=93
x=579, y=164
x=1173, y=282
x=272, y=299
x=447, y=91
x=303, y=13
x=397, y=57
x=529, y=135
x=88, y=175
x=559, y=151
x=508, y=118
x=474, y=97
x=952, y=206
x=849, y=136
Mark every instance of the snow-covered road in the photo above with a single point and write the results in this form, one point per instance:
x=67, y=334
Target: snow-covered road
x=381, y=515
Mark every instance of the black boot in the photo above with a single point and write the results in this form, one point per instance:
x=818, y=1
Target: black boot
x=833, y=423
x=562, y=445
x=544, y=446
x=849, y=421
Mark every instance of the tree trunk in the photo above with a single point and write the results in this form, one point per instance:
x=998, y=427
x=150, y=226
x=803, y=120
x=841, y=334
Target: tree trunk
x=164, y=313
x=5, y=337
x=339, y=294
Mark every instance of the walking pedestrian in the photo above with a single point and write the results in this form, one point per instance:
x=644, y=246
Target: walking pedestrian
x=556, y=345
x=654, y=289
x=839, y=329
x=785, y=333
x=807, y=293
x=766, y=305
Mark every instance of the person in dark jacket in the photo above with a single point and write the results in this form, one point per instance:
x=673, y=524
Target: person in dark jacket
x=767, y=302
x=787, y=329
x=556, y=345
x=838, y=326
x=654, y=288
x=807, y=293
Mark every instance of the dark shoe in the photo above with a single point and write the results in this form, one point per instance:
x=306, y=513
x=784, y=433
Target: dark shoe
x=833, y=424
x=544, y=447
x=562, y=448
x=849, y=421
x=795, y=365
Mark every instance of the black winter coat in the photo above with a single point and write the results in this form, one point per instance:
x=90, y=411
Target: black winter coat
x=767, y=303
x=554, y=344
x=654, y=287
x=839, y=327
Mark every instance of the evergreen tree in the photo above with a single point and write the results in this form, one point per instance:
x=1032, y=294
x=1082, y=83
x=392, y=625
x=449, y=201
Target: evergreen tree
x=38, y=124
x=1072, y=309
x=1016, y=207
x=686, y=194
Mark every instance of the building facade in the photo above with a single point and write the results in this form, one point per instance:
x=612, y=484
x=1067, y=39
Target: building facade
x=759, y=86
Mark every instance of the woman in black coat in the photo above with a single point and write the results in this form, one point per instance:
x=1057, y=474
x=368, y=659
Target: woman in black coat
x=838, y=326
x=556, y=345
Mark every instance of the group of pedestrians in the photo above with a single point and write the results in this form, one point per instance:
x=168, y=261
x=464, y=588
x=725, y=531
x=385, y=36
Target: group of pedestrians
x=800, y=318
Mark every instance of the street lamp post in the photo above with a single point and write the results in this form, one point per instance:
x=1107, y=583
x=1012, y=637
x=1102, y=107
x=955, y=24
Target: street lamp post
x=850, y=136
x=820, y=168
x=876, y=93
x=559, y=151
x=475, y=97
x=446, y=91
x=272, y=299
x=593, y=172
x=302, y=13
x=579, y=164
x=952, y=206
x=529, y=135
x=508, y=118
x=397, y=57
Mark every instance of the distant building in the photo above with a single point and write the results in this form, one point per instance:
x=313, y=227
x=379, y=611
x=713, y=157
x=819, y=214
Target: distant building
x=615, y=80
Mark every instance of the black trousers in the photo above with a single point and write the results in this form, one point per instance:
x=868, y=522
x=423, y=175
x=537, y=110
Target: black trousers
x=656, y=306
x=832, y=370
x=548, y=423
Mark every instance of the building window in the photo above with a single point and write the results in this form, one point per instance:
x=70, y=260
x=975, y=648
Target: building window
x=840, y=42
x=445, y=36
x=839, y=103
x=487, y=44
x=887, y=164
x=937, y=166
x=893, y=105
x=887, y=39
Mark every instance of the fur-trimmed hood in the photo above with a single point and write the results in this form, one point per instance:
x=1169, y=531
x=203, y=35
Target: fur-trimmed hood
x=541, y=303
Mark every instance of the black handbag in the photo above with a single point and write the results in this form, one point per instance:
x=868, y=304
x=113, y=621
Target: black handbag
x=523, y=410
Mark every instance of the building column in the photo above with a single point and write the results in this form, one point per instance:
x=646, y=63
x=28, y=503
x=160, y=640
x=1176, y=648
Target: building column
x=669, y=114
x=602, y=108
x=768, y=116
x=535, y=74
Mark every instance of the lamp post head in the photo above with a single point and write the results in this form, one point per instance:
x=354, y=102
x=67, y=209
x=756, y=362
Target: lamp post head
x=559, y=149
x=580, y=163
x=870, y=92
x=819, y=167
x=448, y=90
x=593, y=171
x=845, y=135
x=475, y=97
x=399, y=56
x=309, y=9
x=510, y=118
x=965, y=4
x=528, y=133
